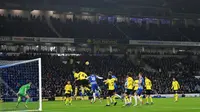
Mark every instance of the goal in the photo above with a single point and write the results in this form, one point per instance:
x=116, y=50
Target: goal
x=13, y=75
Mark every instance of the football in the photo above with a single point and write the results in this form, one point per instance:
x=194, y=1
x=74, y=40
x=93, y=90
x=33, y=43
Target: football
x=87, y=63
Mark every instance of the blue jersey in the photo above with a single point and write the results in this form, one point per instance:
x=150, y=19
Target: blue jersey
x=93, y=81
x=140, y=86
x=141, y=83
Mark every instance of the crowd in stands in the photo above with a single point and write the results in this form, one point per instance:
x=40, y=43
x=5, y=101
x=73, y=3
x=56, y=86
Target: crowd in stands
x=183, y=69
x=57, y=70
x=107, y=29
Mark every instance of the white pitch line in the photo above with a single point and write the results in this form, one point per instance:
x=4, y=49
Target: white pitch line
x=23, y=111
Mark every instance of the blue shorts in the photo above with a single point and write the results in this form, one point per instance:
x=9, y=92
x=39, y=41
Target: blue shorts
x=94, y=87
x=139, y=91
x=97, y=94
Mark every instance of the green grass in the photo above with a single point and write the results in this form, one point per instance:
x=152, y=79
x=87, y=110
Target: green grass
x=160, y=105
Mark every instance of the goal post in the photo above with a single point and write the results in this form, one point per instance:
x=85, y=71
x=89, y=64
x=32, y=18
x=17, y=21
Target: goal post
x=13, y=75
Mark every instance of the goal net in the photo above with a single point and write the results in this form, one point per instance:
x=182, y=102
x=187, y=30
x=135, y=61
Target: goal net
x=15, y=74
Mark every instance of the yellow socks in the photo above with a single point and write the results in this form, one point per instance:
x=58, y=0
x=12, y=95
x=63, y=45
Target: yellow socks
x=70, y=100
x=108, y=100
x=127, y=99
x=76, y=91
x=66, y=101
x=147, y=99
x=141, y=98
x=151, y=99
x=176, y=97
x=113, y=98
x=82, y=90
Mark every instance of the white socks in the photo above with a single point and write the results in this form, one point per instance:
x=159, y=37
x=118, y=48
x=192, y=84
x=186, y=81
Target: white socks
x=125, y=101
x=111, y=100
x=135, y=97
x=139, y=99
x=94, y=97
x=130, y=98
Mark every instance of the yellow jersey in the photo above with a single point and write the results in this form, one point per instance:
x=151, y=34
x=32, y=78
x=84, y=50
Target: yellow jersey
x=87, y=89
x=82, y=75
x=148, y=84
x=136, y=84
x=110, y=83
x=76, y=76
x=68, y=89
x=175, y=85
x=130, y=83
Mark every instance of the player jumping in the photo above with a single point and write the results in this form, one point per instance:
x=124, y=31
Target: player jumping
x=83, y=81
x=94, y=86
x=76, y=82
x=175, y=87
x=23, y=93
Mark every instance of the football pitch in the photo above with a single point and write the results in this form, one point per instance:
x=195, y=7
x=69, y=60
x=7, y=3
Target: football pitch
x=160, y=105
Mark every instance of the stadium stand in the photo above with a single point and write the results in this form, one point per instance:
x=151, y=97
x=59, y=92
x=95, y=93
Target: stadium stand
x=77, y=28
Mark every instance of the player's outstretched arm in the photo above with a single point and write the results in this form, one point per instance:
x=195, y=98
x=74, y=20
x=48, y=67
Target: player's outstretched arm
x=99, y=77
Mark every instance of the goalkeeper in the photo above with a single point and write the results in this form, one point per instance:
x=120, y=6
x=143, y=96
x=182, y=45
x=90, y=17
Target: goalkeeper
x=23, y=93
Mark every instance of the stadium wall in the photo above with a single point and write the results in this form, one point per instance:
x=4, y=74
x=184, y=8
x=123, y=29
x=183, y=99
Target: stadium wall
x=172, y=95
x=60, y=98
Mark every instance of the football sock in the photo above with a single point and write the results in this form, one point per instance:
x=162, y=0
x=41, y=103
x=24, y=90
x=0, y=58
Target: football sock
x=125, y=101
x=108, y=100
x=135, y=97
x=70, y=100
x=18, y=100
x=67, y=100
x=27, y=100
x=82, y=91
x=140, y=99
x=76, y=91
x=147, y=99
x=130, y=99
x=151, y=99
x=113, y=98
x=94, y=97
x=176, y=97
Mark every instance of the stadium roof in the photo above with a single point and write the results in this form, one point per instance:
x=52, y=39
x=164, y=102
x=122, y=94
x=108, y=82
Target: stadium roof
x=183, y=6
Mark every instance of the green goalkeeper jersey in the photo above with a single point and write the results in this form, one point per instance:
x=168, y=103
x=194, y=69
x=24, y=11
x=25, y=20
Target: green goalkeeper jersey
x=24, y=89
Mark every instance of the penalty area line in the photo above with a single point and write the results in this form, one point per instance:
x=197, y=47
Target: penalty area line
x=23, y=111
